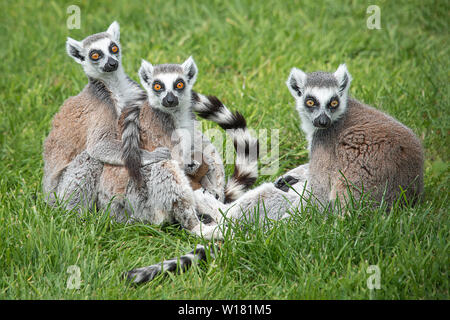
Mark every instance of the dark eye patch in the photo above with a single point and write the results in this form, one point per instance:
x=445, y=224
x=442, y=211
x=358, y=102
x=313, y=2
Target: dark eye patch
x=177, y=83
x=155, y=85
x=316, y=102
x=334, y=98
x=92, y=52
x=111, y=46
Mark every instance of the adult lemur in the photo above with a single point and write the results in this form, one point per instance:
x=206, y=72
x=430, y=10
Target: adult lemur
x=353, y=148
x=85, y=132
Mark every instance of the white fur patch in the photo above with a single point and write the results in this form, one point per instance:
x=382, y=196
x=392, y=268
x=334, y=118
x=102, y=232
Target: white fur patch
x=323, y=96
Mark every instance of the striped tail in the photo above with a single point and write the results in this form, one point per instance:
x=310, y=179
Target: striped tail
x=131, y=140
x=181, y=264
x=247, y=147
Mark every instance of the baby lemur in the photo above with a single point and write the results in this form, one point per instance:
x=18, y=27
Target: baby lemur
x=353, y=149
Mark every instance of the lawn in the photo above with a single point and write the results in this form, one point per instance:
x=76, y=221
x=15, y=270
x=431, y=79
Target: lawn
x=244, y=51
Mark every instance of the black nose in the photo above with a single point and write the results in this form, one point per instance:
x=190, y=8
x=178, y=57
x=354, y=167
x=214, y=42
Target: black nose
x=111, y=65
x=322, y=121
x=170, y=100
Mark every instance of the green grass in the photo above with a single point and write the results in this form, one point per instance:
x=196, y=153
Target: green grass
x=244, y=51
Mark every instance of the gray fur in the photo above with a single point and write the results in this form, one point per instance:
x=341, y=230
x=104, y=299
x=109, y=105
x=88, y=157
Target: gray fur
x=94, y=38
x=266, y=200
x=165, y=196
x=78, y=184
x=366, y=150
x=167, y=68
x=321, y=79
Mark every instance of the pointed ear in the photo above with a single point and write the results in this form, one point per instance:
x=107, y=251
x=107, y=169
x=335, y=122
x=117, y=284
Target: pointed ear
x=343, y=78
x=114, y=31
x=75, y=50
x=146, y=73
x=190, y=70
x=296, y=82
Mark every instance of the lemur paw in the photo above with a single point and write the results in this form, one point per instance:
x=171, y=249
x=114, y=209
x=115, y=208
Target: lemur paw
x=210, y=192
x=209, y=232
x=284, y=183
x=192, y=168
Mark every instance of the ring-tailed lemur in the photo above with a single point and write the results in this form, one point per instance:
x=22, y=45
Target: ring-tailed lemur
x=72, y=173
x=84, y=131
x=166, y=199
x=352, y=147
x=175, y=97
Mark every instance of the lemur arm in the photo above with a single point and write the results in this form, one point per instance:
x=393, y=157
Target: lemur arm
x=214, y=180
x=297, y=176
x=109, y=150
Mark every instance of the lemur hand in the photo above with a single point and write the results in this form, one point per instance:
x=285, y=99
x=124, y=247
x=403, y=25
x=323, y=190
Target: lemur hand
x=192, y=168
x=157, y=155
x=285, y=182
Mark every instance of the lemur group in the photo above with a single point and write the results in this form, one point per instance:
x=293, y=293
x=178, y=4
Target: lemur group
x=137, y=152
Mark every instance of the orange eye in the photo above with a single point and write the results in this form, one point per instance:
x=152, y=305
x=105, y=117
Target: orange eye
x=114, y=49
x=157, y=86
x=95, y=56
x=334, y=103
x=180, y=85
x=310, y=103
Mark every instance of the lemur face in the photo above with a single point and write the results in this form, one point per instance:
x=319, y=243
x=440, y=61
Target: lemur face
x=99, y=54
x=169, y=86
x=321, y=97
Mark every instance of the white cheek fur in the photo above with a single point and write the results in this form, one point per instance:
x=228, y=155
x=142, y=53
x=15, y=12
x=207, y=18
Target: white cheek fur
x=94, y=70
x=323, y=95
x=168, y=80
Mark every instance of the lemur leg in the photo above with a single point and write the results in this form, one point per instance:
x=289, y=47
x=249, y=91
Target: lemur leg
x=78, y=184
x=268, y=199
x=183, y=203
x=165, y=197
x=265, y=201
